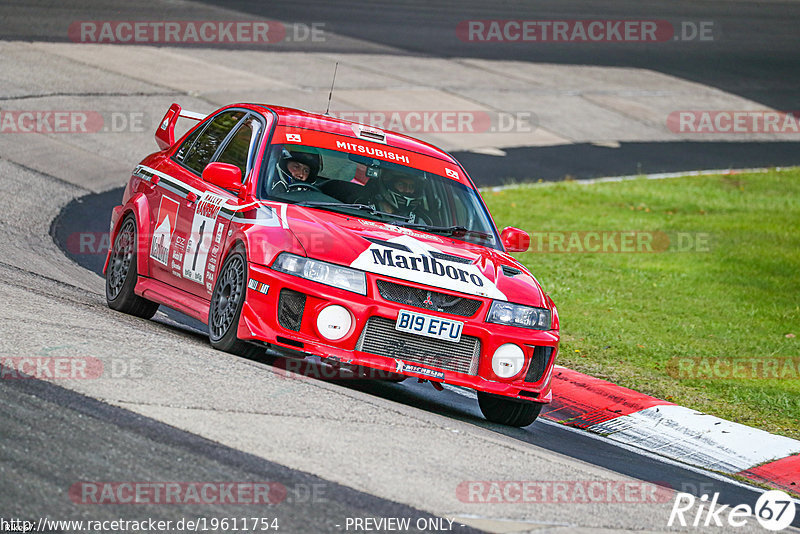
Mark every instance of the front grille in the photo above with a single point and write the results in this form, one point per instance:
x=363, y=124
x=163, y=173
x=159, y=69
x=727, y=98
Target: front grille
x=430, y=300
x=541, y=357
x=380, y=337
x=290, y=309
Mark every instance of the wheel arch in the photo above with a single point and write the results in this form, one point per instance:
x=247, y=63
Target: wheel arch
x=136, y=206
x=234, y=244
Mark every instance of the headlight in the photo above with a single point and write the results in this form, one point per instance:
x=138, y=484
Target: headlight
x=518, y=315
x=322, y=272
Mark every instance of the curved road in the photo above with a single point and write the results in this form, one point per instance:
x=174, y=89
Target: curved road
x=79, y=217
x=161, y=406
x=750, y=51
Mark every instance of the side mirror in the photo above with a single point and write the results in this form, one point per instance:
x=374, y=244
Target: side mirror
x=514, y=239
x=225, y=175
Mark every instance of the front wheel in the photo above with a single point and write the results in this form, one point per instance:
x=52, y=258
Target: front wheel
x=227, y=300
x=121, y=274
x=506, y=411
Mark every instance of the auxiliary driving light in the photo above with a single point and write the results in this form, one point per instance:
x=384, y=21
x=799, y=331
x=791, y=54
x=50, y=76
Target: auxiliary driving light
x=508, y=360
x=334, y=322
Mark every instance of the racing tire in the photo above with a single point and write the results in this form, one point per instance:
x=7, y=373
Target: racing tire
x=121, y=274
x=506, y=411
x=227, y=300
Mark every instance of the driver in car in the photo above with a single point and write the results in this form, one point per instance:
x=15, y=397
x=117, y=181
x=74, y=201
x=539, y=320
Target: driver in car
x=296, y=168
x=402, y=194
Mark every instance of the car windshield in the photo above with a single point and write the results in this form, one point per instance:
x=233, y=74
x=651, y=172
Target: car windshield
x=378, y=190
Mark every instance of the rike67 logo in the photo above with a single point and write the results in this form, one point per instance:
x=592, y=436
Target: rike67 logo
x=774, y=510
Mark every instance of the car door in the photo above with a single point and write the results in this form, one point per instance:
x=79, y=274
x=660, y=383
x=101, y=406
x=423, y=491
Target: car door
x=206, y=223
x=179, y=189
x=167, y=201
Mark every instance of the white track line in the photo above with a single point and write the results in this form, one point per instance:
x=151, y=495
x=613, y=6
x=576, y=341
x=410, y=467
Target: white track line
x=655, y=176
x=630, y=448
x=664, y=459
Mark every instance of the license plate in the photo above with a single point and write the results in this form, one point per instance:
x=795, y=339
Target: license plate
x=428, y=325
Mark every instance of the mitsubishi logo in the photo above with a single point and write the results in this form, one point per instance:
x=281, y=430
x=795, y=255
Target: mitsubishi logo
x=428, y=301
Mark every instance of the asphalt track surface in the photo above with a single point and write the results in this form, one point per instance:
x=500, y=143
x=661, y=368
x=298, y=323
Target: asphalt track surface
x=581, y=161
x=756, y=55
x=754, y=52
x=80, y=216
x=149, y=450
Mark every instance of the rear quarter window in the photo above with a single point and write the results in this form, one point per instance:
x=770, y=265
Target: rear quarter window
x=199, y=154
x=238, y=148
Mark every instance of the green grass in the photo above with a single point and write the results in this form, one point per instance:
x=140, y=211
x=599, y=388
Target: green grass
x=624, y=316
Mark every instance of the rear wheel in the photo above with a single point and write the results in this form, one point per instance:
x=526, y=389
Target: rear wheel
x=121, y=274
x=506, y=411
x=227, y=300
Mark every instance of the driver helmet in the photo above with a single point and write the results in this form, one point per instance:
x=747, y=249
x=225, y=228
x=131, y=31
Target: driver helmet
x=402, y=191
x=308, y=157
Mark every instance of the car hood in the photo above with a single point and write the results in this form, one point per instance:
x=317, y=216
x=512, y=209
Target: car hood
x=408, y=254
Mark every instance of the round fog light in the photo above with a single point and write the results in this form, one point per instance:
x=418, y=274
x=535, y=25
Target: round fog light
x=334, y=322
x=508, y=360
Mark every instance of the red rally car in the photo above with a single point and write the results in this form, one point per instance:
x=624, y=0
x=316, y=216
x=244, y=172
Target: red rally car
x=309, y=235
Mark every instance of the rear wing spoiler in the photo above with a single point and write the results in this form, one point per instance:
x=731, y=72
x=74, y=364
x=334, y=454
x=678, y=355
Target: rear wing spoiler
x=165, y=133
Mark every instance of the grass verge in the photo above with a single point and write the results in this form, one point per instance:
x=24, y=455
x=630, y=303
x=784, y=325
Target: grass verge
x=704, y=297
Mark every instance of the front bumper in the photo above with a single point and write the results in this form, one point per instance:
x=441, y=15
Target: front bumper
x=260, y=322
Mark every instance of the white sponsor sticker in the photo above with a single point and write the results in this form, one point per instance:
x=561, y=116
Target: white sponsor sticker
x=261, y=287
x=402, y=367
x=165, y=226
x=166, y=120
x=400, y=229
x=197, y=247
x=419, y=262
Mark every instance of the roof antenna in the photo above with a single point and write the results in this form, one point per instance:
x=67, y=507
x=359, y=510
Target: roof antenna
x=331, y=93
